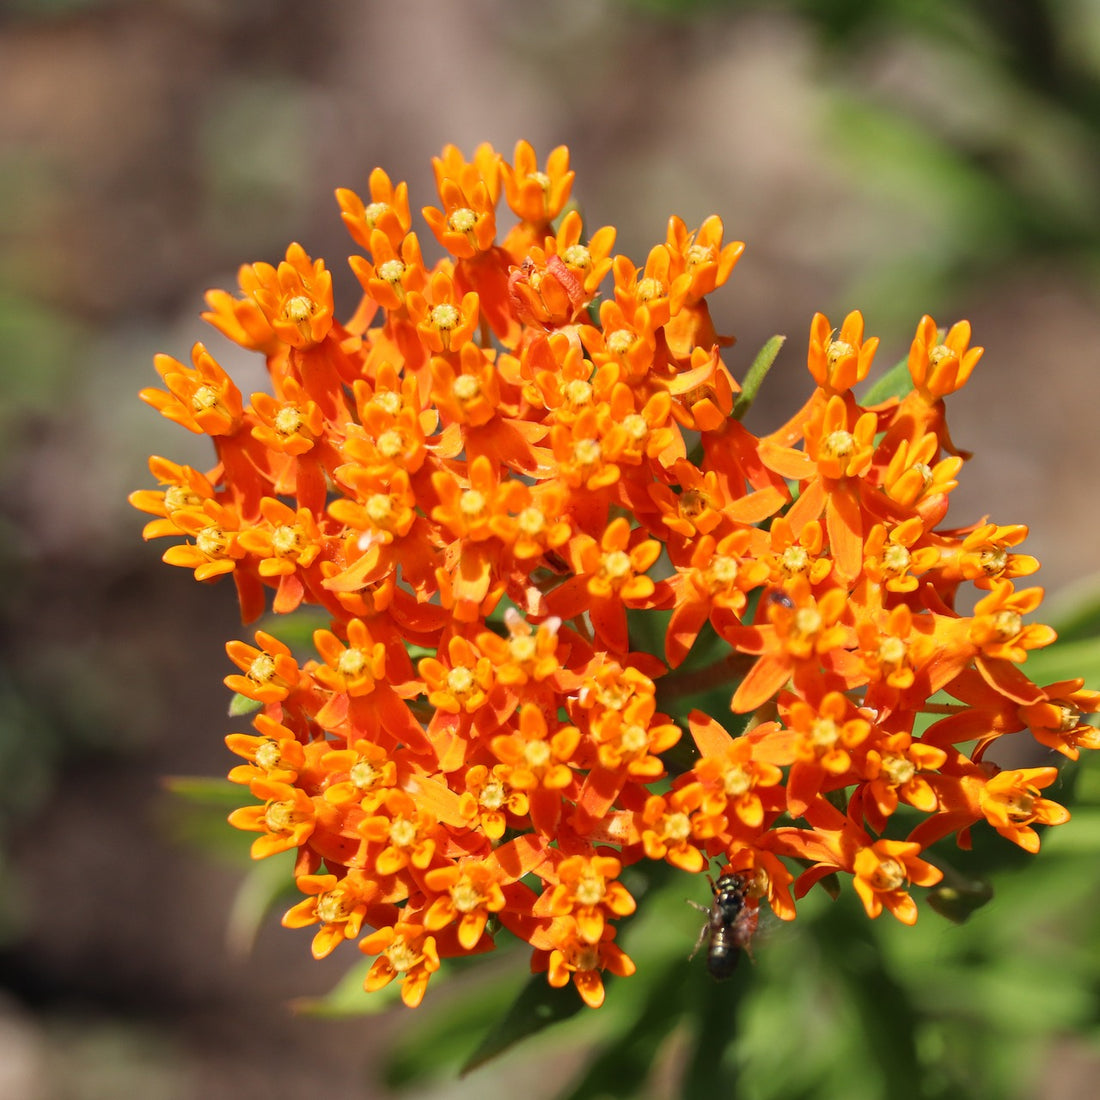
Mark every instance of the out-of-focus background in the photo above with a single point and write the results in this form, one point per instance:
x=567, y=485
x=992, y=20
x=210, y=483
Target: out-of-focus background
x=899, y=158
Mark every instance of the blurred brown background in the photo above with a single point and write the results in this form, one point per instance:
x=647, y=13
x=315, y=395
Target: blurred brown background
x=947, y=163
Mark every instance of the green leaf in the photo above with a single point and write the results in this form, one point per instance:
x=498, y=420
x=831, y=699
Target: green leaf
x=201, y=790
x=1065, y=661
x=896, y=382
x=267, y=882
x=1075, y=611
x=756, y=375
x=537, y=1007
x=348, y=998
x=240, y=705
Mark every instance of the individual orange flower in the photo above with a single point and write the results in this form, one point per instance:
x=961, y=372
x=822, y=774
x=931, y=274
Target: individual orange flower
x=534, y=196
x=490, y=800
x=188, y=491
x=1011, y=803
x=404, y=950
x=883, y=869
x=204, y=400
x=575, y=958
x=667, y=830
x=588, y=891
x=1057, y=720
x=271, y=673
x=407, y=835
x=217, y=548
x=388, y=211
x=339, y=905
x=286, y=819
x=295, y=298
x=275, y=754
x=469, y=892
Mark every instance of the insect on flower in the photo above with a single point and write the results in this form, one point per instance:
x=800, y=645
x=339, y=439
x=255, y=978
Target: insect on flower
x=731, y=922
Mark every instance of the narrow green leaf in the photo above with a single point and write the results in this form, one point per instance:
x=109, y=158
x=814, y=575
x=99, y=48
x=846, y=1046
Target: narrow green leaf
x=267, y=881
x=896, y=382
x=537, y=1007
x=201, y=790
x=765, y=357
x=348, y=998
x=240, y=705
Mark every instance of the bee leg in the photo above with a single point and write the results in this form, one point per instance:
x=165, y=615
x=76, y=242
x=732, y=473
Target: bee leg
x=702, y=938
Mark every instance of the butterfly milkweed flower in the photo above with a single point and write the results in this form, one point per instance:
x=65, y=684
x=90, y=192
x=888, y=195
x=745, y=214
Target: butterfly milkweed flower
x=515, y=484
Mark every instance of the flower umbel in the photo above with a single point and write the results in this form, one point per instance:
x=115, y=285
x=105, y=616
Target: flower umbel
x=489, y=477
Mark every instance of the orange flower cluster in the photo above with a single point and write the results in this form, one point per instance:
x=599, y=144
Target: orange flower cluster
x=487, y=478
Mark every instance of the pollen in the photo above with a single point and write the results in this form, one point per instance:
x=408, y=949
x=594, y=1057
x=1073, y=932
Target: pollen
x=262, y=669
x=531, y=522
x=364, y=775
x=824, y=733
x=281, y=817
x=288, y=420
x=699, y=254
x=577, y=255
x=898, y=769
x=462, y=220
x=352, y=662
x=204, y=398
x=287, y=541
x=460, y=681
x=375, y=212
x=402, y=832
x=677, y=826
x=892, y=652
x=651, y=289
x=390, y=443
x=269, y=755
x=620, y=341
x=616, y=566
x=392, y=272
x=723, y=570
x=636, y=427
x=736, y=781
x=379, y=508
x=445, y=316
x=587, y=452
x=466, y=387
x=635, y=739
x=807, y=622
x=177, y=497
x=537, y=754
x=401, y=956
x=333, y=906
x=939, y=353
x=522, y=649
x=888, y=875
x=896, y=559
x=466, y=896
x=993, y=560
x=1007, y=624
x=493, y=795
x=578, y=393
x=213, y=541
x=472, y=504
x=590, y=890
x=388, y=401
x=837, y=350
x=794, y=561
x=839, y=444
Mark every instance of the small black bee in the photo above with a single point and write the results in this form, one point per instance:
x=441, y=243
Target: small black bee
x=731, y=921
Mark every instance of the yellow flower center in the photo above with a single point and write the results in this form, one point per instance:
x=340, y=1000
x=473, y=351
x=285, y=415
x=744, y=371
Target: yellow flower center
x=736, y=781
x=896, y=559
x=824, y=734
x=460, y=681
x=587, y=452
x=577, y=393
x=351, y=663
x=177, y=497
x=466, y=896
x=537, y=754
x=619, y=341
x=993, y=560
x=898, y=769
x=531, y=521
x=698, y=254
x=212, y=541
x=388, y=401
x=401, y=956
x=402, y=832
x=391, y=272
x=466, y=387
x=692, y=503
x=379, y=508
x=390, y=443
x=472, y=504
x=462, y=220
x=286, y=541
x=806, y=623
x=1020, y=805
x=794, y=561
x=891, y=652
x=837, y=350
x=288, y=420
x=364, y=775
x=939, y=353
x=586, y=956
x=298, y=309
x=839, y=444
x=493, y=795
x=649, y=289
x=635, y=739
x=1068, y=718
x=334, y=906
x=723, y=571
x=889, y=875
x=925, y=471
x=636, y=427
x=445, y=317
x=522, y=649
x=374, y=212
x=616, y=566
x=1006, y=625
x=577, y=255
x=590, y=889
x=542, y=179
x=281, y=817
x=677, y=826
x=269, y=755
x=262, y=669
